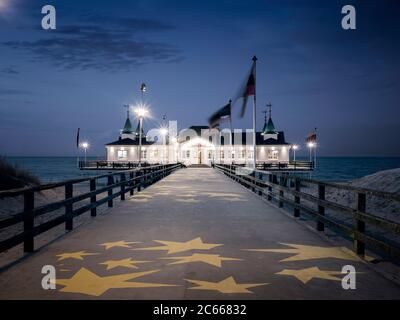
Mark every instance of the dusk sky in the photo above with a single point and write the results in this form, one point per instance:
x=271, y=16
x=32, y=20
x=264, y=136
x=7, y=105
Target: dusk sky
x=193, y=56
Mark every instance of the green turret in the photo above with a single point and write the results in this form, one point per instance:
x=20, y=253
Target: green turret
x=269, y=127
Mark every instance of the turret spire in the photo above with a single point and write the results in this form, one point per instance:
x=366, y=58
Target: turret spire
x=128, y=126
x=269, y=127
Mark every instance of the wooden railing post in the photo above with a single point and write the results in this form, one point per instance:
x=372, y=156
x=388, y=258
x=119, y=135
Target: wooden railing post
x=297, y=186
x=29, y=204
x=132, y=184
x=321, y=209
x=260, y=178
x=69, y=218
x=123, y=181
x=359, y=246
x=140, y=180
x=110, y=181
x=93, y=211
x=270, y=179
x=281, y=183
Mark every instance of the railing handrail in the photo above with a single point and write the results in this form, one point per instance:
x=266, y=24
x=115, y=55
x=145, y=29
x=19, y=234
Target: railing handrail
x=277, y=190
x=384, y=194
x=47, y=186
x=147, y=176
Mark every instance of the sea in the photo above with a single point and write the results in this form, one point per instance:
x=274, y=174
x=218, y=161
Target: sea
x=55, y=169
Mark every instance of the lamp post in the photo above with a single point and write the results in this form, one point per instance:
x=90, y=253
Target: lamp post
x=294, y=147
x=164, y=132
x=141, y=112
x=311, y=145
x=85, y=146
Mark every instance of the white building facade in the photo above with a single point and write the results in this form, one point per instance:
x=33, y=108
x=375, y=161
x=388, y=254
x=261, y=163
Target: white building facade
x=199, y=145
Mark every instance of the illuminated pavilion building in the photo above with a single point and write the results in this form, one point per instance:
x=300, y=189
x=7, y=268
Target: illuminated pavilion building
x=199, y=145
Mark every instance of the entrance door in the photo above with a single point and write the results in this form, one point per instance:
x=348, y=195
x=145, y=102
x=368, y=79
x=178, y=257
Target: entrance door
x=199, y=157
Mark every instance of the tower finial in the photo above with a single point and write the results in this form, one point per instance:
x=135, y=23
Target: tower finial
x=269, y=107
x=127, y=110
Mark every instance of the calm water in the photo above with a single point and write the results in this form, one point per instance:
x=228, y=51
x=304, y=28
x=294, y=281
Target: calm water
x=52, y=169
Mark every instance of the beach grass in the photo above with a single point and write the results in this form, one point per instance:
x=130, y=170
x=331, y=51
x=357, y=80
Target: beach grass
x=13, y=177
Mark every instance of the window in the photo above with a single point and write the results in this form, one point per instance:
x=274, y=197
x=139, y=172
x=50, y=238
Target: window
x=156, y=153
x=233, y=155
x=143, y=154
x=272, y=155
x=222, y=154
x=122, y=154
x=243, y=154
x=187, y=153
x=209, y=154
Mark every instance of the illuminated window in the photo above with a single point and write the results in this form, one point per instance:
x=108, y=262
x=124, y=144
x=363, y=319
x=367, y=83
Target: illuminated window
x=272, y=155
x=156, y=153
x=122, y=154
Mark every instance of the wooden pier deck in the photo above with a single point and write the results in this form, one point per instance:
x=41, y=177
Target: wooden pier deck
x=196, y=234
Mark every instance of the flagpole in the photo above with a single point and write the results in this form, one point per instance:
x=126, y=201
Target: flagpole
x=254, y=115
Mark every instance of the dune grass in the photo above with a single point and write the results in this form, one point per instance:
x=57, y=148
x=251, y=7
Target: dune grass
x=12, y=177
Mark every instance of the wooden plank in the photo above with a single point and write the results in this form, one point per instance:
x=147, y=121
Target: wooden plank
x=297, y=186
x=69, y=225
x=93, y=211
x=321, y=209
x=359, y=245
x=29, y=220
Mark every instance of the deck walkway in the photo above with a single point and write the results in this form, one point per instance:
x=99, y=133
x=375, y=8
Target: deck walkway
x=186, y=237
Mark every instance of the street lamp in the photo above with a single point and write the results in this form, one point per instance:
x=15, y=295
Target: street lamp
x=85, y=146
x=164, y=132
x=311, y=145
x=141, y=112
x=294, y=147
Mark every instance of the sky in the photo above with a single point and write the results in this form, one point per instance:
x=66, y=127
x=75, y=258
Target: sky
x=193, y=57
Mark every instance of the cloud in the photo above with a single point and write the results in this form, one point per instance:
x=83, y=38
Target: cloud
x=7, y=92
x=9, y=70
x=110, y=45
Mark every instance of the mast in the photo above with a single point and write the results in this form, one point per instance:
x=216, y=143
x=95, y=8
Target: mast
x=254, y=115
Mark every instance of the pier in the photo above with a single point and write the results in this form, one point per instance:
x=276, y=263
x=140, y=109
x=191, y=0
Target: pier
x=198, y=233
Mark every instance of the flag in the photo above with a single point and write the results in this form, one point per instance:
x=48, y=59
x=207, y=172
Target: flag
x=248, y=88
x=77, y=138
x=312, y=137
x=220, y=115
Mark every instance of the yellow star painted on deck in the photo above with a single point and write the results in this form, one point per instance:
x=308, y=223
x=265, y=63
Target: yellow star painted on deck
x=127, y=263
x=212, y=259
x=121, y=244
x=74, y=255
x=190, y=200
x=307, y=274
x=227, y=285
x=175, y=247
x=89, y=283
x=303, y=252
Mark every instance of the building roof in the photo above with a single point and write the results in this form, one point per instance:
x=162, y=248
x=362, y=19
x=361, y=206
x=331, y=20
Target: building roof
x=269, y=127
x=260, y=139
x=199, y=128
x=137, y=131
x=129, y=142
x=127, y=127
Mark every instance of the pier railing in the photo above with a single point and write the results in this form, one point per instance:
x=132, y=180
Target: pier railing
x=367, y=230
x=108, y=186
x=111, y=165
x=286, y=166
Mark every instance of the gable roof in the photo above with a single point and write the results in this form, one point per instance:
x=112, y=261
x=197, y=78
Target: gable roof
x=129, y=142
